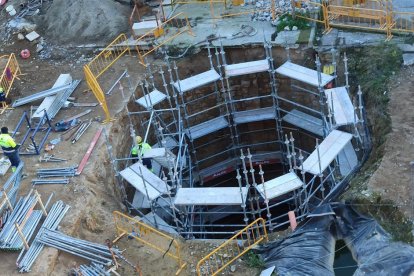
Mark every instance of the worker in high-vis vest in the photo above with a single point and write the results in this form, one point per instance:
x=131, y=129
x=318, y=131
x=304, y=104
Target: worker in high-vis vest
x=139, y=149
x=10, y=148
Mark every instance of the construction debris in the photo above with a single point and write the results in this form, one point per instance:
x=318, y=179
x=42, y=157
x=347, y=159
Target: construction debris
x=51, y=158
x=81, y=130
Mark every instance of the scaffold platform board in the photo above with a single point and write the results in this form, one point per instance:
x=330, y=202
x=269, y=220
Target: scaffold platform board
x=207, y=127
x=157, y=222
x=280, y=185
x=341, y=106
x=196, y=81
x=162, y=156
x=328, y=150
x=153, y=186
x=305, y=121
x=210, y=196
x=254, y=115
x=151, y=99
x=170, y=143
x=303, y=74
x=347, y=159
x=245, y=68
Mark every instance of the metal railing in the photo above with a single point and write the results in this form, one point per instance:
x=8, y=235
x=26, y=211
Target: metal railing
x=178, y=22
x=149, y=236
x=232, y=249
x=8, y=74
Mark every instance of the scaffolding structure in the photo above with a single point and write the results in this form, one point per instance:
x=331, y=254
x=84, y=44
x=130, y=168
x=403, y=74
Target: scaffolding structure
x=205, y=127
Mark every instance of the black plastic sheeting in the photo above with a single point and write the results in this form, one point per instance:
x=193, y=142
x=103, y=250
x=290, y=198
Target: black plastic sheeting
x=310, y=249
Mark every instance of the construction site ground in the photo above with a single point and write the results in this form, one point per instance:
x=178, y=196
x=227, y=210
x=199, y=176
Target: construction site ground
x=92, y=195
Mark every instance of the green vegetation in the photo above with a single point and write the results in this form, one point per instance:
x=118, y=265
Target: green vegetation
x=287, y=20
x=253, y=260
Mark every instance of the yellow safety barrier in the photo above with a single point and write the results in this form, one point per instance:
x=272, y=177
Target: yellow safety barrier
x=102, y=62
x=178, y=24
x=232, y=249
x=108, y=56
x=97, y=91
x=8, y=75
x=318, y=12
x=240, y=11
x=149, y=236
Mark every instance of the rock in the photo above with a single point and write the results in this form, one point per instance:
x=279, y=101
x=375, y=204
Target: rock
x=20, y=36
x=406, y=47
x=39, y=48
x=408, y=59
x=294, y=28
x=233, y=268
x=287, y=28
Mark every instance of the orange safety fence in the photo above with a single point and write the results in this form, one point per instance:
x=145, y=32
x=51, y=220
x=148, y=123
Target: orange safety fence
x=9, y=73
x=238, y=245
x=165, y=32
x=315, y=12
x=143, y=233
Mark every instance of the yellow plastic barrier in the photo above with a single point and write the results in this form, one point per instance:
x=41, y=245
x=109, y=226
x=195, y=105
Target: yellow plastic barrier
x=108, y=56
x=178, y=23
x=8, y=74
x=232, y=249
x=149, y=236
x=102, y=62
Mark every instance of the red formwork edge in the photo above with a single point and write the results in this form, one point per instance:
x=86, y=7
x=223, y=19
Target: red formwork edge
x=88, y=152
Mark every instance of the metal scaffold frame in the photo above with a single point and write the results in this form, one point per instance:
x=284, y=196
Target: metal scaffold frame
x=182, y=200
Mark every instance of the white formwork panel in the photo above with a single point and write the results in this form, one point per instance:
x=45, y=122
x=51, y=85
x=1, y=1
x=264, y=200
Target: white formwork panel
x=151, y=99
x=254, y=115
x=304, y=121
x=153, y=184
x=207, y=127
x=303, y=74
x=329, y=149
x=157, y=222
x=280, y=185
x=210, y=196
x=143, y=27
x=196, y=81
x=340, y=104
x=161, y=155
x=245, y=68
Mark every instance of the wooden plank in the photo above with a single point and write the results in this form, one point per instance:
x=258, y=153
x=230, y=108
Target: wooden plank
x=88, y=152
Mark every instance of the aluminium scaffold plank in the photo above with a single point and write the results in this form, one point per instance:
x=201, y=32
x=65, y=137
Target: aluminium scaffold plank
x=303, y=74
x=305, y=121
x=328, y=150
x=162, y=156
x=157, y=222
x=254, y=115
x=143, y=27
x=280, y=185
x=151, y=99
x=153, y=184
x=207, y=127
x=196, y=81
x=245, y=68
x=347, y=159
x=210, y=196
x=341, y=106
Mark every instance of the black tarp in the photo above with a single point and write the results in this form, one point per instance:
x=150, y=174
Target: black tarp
x=310, y=249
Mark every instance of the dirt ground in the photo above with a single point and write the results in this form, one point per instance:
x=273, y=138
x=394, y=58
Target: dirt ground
x=394, y=177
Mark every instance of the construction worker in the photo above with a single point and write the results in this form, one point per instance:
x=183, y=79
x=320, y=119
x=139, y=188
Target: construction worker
x=141, y=148
x=2, y=95
x=10, y=148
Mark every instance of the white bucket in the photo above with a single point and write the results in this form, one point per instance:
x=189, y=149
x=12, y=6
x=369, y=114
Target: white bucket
x=10, y=9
